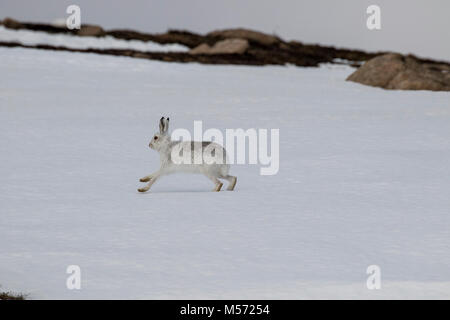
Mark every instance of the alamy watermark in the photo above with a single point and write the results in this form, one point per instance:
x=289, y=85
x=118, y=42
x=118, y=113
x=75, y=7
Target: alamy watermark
x=249, y=146
x=374, y=20
x=74, y=280
x=74, y=20
x=374, y=280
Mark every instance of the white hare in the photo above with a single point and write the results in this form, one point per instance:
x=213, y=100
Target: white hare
x=167, y=149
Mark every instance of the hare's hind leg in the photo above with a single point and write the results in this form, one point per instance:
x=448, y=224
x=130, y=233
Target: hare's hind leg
x=217, y=183
x=231, y=182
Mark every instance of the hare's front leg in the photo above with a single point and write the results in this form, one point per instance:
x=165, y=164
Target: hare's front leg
x=152, y=178
x=146, y=178
x=217, y=183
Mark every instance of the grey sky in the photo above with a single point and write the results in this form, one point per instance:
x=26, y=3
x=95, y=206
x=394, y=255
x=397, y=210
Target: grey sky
x=417, y=26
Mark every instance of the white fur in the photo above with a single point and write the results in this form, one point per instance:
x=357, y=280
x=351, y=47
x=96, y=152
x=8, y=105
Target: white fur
x=162, y=143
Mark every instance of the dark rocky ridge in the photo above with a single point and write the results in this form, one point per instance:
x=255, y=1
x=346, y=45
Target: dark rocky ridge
x=236, y=59
x=263, y=49
x=248, y=47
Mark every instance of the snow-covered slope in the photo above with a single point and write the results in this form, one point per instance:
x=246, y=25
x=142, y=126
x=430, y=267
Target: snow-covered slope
x=28, y=37
x=363, y=180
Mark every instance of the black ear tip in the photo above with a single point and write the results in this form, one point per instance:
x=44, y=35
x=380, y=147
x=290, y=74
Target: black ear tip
x=162, y=118
x=167, y=118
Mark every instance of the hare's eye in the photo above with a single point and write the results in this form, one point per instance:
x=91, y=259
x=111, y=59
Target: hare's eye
x=155, y=137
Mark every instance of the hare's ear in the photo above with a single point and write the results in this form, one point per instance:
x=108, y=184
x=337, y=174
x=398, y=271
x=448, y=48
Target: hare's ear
x=166, y=125
x=161, y=125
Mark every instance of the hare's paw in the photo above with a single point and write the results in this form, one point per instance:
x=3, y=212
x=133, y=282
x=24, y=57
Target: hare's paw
x=218, y=187
x=143, y=189
x=145, y=179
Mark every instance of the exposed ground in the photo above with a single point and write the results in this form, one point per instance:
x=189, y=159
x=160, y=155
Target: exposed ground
x=278, y=52
x=11, y=296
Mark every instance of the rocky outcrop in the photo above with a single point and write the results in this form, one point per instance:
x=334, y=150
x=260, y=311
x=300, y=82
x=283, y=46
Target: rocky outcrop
x=201, y=49
x=11, y=23
x=395, y=71
x=229, y=46
x=249, y=35
x=186, y=38
x=91, y=31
